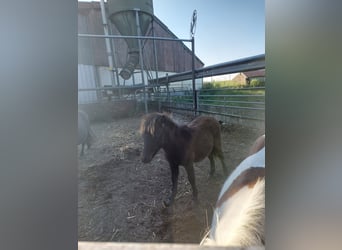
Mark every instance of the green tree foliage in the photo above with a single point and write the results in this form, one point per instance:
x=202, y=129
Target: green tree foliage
x=257, y=83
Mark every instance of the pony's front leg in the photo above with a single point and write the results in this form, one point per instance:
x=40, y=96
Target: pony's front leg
x=174, y=178
x=191, y=177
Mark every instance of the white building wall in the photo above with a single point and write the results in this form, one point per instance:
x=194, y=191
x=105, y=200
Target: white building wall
x=86, y=79
x=104, y=76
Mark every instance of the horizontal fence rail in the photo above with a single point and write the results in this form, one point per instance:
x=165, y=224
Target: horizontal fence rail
x=238, y=103
x=243, y=105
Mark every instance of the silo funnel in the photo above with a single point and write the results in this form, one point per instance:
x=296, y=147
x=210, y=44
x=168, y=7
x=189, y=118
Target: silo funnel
x=122, y=13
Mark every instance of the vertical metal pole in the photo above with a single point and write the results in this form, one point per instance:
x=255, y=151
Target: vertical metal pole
x=168, y=90
x=197, y=100
x=155, y=53
x=193, y=75
x=133, y=78
x=141, y=57
x=109, y=50
x=97, y=83
x=114, y=57
x=156, y=65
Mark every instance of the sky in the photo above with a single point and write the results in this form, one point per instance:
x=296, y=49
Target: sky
x=226, y=30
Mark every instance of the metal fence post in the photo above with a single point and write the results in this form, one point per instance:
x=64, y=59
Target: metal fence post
x=193, y=74
x=141, y=58
x=197, y=101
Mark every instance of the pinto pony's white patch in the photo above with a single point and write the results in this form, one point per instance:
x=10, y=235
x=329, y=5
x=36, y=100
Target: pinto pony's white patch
x=255, y=160
x=239, y=219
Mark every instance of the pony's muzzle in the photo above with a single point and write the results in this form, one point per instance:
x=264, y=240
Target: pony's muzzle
x=146, y=159
x=147, y=156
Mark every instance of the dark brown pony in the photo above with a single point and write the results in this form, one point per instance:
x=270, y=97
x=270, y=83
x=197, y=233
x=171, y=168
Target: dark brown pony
x=183, y=145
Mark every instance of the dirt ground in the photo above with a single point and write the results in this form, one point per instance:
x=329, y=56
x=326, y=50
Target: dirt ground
x=120, y=198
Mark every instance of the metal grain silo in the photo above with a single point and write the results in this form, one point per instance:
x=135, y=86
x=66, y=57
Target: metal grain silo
x=124, y=15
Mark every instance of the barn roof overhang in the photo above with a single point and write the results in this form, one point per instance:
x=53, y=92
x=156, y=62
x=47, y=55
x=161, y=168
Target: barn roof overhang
x=240, y=65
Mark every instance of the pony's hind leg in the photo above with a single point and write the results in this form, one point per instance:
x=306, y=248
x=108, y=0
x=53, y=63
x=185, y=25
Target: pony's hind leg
x=212, y=164
x=88, y=141
x=191, y=177
x=217, y=151
x=224, y=167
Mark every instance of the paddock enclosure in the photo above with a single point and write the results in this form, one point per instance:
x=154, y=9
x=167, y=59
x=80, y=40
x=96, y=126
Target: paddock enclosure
x=122, y=76
x=120, y=198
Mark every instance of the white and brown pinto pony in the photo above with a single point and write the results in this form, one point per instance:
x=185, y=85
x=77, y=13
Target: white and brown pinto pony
x=239, y=215
x=258, y=144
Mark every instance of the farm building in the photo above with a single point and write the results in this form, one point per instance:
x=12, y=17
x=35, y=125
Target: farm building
x=245, y=78
x=160, y=58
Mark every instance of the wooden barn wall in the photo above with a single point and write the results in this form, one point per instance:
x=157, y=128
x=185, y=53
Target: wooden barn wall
x=172, y=56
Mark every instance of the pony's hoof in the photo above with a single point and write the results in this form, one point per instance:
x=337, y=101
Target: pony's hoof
x=167, y=203
x=211, y=176
x=195, y=202
x=195, y=199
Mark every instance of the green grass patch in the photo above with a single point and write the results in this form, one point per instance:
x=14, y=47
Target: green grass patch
x=222, y=84
x=232, y=97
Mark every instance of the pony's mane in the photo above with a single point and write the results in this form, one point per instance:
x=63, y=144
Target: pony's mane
x=150, y=122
